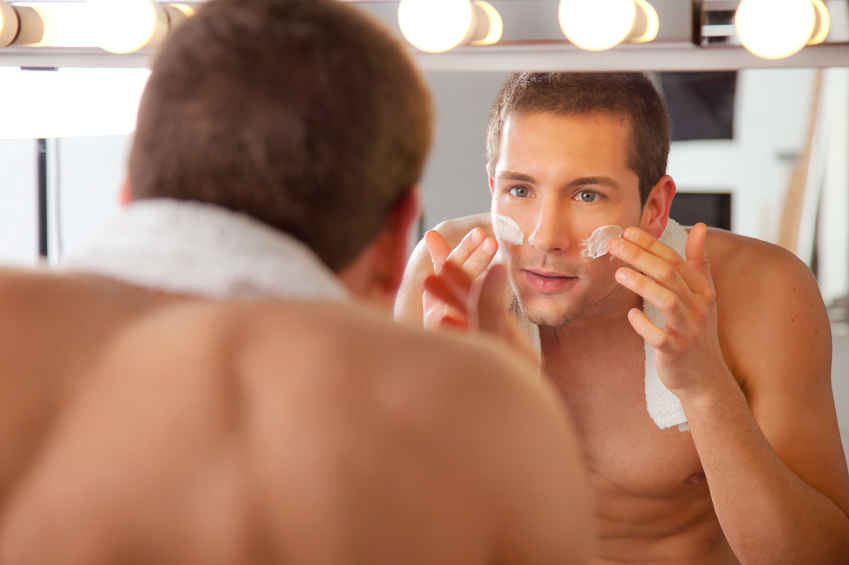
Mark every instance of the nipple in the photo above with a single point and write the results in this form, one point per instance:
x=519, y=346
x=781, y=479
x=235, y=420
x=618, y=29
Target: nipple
x=507, y=230
x=695, y=479
x=596, y=245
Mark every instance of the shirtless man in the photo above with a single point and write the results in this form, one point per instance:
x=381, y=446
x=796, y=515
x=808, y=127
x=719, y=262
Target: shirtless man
x=142, y=421
x=761, y=476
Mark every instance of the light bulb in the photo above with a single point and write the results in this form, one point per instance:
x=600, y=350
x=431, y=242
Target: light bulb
x=8, y=24
x=125, y=26
x=647, y=24
x=596, y=25
x=38, y=27
x=775, y=29
x=489, y=24
x=436, y=26
x=24, y=25
x=823, y=23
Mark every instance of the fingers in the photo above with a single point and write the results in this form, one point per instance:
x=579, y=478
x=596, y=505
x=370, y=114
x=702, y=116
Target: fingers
x=652, y=334
x=664, y=299
x=481, y=258
x=696, y=250
x=475, y=252
x=441, y=291
x=659, y=261
x=438, y=247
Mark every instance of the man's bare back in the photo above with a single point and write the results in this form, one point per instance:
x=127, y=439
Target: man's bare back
x=164, y=429
x=653, y=502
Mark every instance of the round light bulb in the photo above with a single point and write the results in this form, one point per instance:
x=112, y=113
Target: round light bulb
x=493, y=23
x=38, y=27
x=651, y=23
x=436, y=26
x=775, y=29
x=823, y=23
x=597, y=25
x=9, y=24
x=125, y=26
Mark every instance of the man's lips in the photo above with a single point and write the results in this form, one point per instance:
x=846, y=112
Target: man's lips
x=542, y=281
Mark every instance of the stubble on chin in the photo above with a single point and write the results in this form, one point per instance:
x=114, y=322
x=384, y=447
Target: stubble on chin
x=554, y=315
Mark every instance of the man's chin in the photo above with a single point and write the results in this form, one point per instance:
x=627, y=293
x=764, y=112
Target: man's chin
x=549, y=315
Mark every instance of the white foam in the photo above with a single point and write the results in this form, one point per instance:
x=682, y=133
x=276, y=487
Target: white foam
x=507, y=230
x=596, y=245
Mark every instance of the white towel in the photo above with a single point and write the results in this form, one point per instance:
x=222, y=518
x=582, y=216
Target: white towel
x=664, y=407
x=204, y=250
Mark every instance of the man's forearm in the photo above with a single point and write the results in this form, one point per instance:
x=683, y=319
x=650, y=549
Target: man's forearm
x=768, y=514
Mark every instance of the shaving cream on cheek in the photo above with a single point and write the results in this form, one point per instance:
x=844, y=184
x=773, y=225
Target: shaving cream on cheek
x=596, y=245
x=507, y=230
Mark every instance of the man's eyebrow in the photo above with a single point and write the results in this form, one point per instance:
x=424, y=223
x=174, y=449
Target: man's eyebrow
x=509, y=175
x=598, y=181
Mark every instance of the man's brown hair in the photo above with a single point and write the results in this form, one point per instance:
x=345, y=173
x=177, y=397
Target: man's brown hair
x=305, y=114
x=629, y=96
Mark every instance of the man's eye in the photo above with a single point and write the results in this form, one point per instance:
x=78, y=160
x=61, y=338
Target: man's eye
x=519, y=191
x=588, y=196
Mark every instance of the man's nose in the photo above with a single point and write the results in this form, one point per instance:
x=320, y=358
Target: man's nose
x=550, y=234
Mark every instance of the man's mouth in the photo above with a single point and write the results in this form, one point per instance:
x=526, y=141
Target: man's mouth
x=548, y=282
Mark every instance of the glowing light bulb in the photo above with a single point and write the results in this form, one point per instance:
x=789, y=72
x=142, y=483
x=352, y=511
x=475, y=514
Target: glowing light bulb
x=649, y=23
x=823, y=24
x=596, y=25
x=489, y=24
x=775, y=29
x=436, y=26
x=38, y=27
x=125, y=26
x=8, y=24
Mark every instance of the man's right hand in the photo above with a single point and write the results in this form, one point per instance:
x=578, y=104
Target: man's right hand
x=466, y=293
x=473, y=257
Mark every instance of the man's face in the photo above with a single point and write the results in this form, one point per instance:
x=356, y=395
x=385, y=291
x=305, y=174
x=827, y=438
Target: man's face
x=560, y=178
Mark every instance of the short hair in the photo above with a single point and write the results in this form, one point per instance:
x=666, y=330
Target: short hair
x=304, y=114
x=630, y=96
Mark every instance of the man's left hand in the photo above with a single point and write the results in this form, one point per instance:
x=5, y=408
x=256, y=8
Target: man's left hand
x=689, y=358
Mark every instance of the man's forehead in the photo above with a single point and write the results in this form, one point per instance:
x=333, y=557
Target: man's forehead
x=597, y=123
x=584, y=141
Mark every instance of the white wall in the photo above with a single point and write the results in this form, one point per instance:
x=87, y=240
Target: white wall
x=772, y=114
x=18, y=204
x=87, y=178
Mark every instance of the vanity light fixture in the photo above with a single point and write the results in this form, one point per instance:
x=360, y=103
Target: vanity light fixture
x=436, y=26
x=23, y=25
x=596, y=25
x=126, y=26
x=775, y=29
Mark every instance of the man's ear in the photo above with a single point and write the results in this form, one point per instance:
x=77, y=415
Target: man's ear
x=403, y=218
x=126, y=195
x=656, y=211
x=491, y=181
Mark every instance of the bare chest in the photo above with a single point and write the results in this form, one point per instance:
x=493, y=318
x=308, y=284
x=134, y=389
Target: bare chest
x=604, y=390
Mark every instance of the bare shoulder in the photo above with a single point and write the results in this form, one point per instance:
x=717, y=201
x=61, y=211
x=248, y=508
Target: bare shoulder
x=769, y=307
